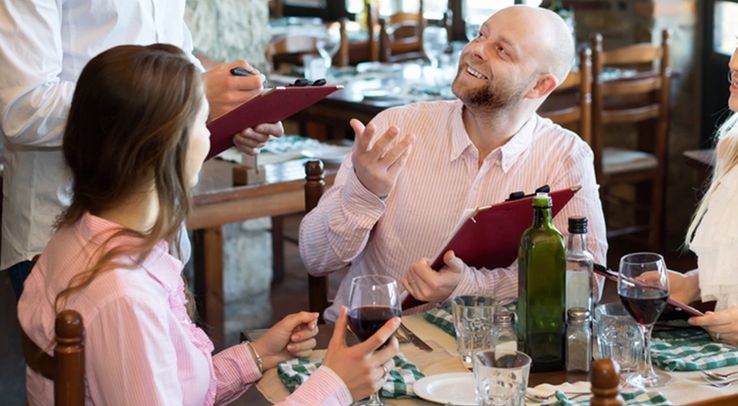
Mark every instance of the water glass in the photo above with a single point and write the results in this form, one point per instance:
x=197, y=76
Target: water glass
x=315, y=67
x=616, y=336
x=501, y=377
x=435, y=41
x=328, y=43
x=473, y=317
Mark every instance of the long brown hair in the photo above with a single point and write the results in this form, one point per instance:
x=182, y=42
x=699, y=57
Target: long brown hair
x=128, y=132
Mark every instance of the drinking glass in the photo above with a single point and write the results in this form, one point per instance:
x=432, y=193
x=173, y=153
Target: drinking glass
x=373, y=300
x=501, y=377
x=473, y=316
x=435, y=42
x=643, y=287
x=328, y=43
x=617, y=336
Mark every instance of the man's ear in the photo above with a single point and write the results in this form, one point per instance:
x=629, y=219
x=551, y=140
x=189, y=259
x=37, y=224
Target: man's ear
x=544, y=86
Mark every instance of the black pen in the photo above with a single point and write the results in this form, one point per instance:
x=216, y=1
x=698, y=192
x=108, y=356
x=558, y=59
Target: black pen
x=239, y=71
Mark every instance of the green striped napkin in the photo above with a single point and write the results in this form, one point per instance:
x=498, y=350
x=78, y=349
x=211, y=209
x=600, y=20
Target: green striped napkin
x=690, y=350
x=444, y=318
x=635, y=398
x=400, y=383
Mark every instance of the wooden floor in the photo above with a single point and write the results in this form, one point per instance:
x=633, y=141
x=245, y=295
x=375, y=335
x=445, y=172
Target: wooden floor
x=287, y=297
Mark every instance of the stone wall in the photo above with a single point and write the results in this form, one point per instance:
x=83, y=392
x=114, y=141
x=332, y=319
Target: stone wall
x=624, y=22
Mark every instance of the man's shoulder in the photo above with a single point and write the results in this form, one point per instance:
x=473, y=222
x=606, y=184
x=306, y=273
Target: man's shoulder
x=552, y=135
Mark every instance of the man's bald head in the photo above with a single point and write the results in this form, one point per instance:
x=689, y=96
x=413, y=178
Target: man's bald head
x=550, y=38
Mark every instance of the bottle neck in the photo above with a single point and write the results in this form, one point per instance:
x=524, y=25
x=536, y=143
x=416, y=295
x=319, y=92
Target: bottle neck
x=577, y=242
x=541, y=217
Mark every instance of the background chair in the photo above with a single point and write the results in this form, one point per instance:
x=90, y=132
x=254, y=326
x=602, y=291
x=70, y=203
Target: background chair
x=401, y=36
x=570, y=105
x=640, y=102
x=67, y=367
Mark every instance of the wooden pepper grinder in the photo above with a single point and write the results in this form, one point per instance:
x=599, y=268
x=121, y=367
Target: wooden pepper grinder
x=606, y=383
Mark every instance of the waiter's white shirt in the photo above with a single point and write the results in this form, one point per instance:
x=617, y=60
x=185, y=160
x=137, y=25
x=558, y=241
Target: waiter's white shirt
x=44, y=44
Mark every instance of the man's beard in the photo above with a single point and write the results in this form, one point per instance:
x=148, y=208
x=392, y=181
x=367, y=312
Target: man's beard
x=491, y=98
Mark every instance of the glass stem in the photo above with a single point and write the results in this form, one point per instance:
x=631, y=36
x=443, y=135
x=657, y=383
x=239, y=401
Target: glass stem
x=374, y=400
x=646, y=369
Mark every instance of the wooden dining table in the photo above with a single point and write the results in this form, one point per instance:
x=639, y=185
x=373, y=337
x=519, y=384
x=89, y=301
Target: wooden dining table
x=686, y=388
x=216, y=201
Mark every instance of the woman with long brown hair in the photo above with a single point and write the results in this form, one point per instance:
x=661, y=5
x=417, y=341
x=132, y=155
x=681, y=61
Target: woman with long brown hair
x=135, y=141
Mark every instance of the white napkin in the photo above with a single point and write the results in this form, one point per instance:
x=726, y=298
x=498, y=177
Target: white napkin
x=546, y=390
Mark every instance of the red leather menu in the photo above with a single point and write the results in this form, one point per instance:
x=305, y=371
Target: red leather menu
x=275, y=104
x=489, y=238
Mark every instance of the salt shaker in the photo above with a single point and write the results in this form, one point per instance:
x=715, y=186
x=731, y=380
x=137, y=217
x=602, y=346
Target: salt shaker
x=578, y=340
x=503, y=332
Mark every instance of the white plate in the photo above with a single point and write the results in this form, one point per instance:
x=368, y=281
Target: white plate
x=456, y=388
x=327, y=153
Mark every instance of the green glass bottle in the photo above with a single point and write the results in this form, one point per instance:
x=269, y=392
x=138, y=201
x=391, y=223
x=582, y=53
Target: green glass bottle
x=541, y=289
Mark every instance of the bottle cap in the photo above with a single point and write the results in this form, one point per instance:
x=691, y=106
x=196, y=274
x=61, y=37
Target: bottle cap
x=503, y=317
x=577, y=315
x=578, y=225
x=542, y=200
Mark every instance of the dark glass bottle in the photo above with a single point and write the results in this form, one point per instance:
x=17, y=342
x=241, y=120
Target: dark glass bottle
x=541, y=289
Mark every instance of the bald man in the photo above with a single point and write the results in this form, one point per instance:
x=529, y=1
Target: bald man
x=416, y=170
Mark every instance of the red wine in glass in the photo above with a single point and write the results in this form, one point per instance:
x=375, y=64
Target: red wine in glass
x=645, y=305
x=366, y=320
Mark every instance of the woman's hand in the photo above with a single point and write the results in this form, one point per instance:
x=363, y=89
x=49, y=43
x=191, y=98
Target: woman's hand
x=363, y=367
x=293, y=336
x=683, y=287
x=722, y=325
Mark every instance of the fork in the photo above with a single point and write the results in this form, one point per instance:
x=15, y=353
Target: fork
x=717, y=376
x=721, y=383
x=542, y=399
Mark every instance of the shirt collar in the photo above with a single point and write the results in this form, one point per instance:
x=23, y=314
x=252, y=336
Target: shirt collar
x=159, y=264
x=508, y=153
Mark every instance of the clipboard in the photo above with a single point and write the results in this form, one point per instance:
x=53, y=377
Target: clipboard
x=490, y=236
x=272, y=105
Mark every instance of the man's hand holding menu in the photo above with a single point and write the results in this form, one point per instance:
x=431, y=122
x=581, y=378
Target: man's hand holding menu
x=426, y=284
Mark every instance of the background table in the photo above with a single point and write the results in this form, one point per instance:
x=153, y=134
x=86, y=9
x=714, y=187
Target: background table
x=216, y=202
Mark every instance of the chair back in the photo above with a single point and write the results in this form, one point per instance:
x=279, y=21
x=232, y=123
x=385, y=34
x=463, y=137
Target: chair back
x=292, y=47
x=314, y=188
x=638, y=102
x=641, y=99
x=570, y=105
x=67, y=367
x=401, y=36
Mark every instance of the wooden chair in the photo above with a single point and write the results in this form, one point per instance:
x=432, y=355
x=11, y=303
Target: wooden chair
x=570, y=105
x=314, y=188
x=401, y=36
x=354, y=52
x=67, y=367
x=641, y=101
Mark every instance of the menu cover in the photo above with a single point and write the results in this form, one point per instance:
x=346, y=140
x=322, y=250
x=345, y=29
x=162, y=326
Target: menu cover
x=490, y=236
x=272, y=105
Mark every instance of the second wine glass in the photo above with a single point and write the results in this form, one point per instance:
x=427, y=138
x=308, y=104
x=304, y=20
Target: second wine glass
x=373, y=300
x=643, y=287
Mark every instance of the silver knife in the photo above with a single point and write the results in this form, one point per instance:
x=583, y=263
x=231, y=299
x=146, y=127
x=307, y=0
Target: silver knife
x=417, y=341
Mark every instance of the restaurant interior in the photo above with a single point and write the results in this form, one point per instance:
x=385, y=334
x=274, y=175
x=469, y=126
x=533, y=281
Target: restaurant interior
x=647, y=93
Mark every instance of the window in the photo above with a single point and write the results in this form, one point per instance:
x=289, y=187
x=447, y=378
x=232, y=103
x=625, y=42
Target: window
x=725, y=27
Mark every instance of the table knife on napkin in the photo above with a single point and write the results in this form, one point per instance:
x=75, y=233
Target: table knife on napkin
x=417, y=341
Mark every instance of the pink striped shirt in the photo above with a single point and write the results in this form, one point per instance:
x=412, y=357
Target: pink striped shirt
x=351, y=227
x=141, y=347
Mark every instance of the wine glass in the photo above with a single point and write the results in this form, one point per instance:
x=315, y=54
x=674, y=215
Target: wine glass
x=643, y=287
x=435, y=42
x=328, y=43
x=373, y=300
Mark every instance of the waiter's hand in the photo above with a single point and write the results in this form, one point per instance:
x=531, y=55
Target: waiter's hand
x=251, y=140
x=226, y=91
x=425, y=284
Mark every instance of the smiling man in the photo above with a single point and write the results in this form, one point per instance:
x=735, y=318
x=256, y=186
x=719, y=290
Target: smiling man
x=415, y=169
